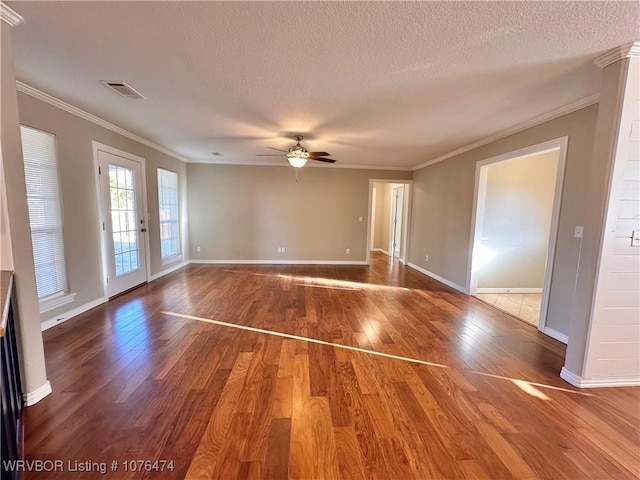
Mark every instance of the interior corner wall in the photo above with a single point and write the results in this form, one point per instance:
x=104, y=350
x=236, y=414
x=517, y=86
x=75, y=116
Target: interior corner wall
x=29, y=336
x=74, y=137
x=443, y=202
x=383, y=215
x=606, y=340
x=244, y=213
x=516, y=222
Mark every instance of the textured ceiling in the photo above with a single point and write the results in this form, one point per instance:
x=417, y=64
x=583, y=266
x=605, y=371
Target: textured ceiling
x=385, y=84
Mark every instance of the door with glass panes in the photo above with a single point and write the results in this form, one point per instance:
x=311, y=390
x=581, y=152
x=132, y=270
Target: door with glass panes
x=123, y=222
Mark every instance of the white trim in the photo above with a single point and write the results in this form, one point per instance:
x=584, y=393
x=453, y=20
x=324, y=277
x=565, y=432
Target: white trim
x=572, y=107
x=372, y=224
x=55, y=301
x=606, y=382
x=561, y=337
x=45, y=97
x=559, y=144
x=58, y=319
x=508, y=290
x=618, y=53
x=381, y=250
x=162, y=273
x=278, y=262
x=100, y=147
x=448, y=283
x=9, y=15
x=31, y=398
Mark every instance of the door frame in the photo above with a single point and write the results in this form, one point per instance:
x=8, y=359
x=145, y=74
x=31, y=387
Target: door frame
x=100, y=147
x=559, y=144
x=392, y=229
x=408, y=196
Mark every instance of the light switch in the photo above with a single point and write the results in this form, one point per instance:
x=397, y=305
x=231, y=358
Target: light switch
x=360, y=219
x=577, y=233
x=635, y=238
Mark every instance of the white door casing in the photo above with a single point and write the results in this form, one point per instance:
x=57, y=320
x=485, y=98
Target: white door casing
x=123, y=223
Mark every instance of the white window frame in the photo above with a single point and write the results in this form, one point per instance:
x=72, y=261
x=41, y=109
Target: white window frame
x=174, y=257
x=64, y=296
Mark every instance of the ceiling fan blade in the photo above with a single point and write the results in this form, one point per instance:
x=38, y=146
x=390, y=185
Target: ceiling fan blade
x=326, y=160
x=319, y=154
x=271, y=148
x=269, y=155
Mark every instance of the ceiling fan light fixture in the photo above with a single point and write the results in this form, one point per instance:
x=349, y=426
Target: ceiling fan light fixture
x=297, y=159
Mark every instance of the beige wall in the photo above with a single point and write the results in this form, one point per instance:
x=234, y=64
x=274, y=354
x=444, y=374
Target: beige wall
x=6, y=257
x=34, y=374
x=383, y=216
x=77, y=177
x=247, y=212
x=517, y=220
x=443, y=202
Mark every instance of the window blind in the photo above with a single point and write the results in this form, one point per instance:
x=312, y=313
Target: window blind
x=45, y=211
x=169, y=216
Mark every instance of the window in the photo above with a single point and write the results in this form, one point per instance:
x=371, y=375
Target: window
x=169, y=218
x=45, y=217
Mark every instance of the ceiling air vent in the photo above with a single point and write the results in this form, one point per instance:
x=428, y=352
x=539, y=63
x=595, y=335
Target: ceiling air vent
x=216, y=154
x=121, y=88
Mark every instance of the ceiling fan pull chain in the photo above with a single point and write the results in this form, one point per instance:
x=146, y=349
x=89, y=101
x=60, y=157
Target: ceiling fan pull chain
x=297, y=170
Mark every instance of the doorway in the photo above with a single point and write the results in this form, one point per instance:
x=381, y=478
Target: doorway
x=122, y=205
x=388, y=218
x=517, y=202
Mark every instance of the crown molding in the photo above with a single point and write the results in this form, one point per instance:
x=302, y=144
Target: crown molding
x=572, y=107
x=9, y=15
x=45, y=97
x=284, y=164
x=618, y=53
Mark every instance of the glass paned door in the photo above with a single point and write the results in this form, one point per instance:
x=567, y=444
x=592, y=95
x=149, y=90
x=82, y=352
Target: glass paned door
x=123, y=222
x=122, y=193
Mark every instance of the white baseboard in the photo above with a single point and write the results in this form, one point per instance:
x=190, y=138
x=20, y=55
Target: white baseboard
x=561, y=337
x=439, y=278
x=280, y=262
x=508, y=290
x=381, y=250
x=58, y=319
x=31, y=398
x=606, y=382
x=162, y=273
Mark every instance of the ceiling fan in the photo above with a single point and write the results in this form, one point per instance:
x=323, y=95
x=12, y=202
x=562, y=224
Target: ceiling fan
x=298, y=155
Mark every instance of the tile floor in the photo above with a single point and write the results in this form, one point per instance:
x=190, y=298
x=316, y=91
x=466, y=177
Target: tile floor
x=525, y=306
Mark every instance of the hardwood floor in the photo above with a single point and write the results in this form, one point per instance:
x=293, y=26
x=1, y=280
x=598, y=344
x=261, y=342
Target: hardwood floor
x=458, y=389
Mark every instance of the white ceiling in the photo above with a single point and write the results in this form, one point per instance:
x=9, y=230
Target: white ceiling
x=384, y=84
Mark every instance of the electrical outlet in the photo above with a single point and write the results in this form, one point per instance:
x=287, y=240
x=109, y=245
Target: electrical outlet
x=348, y=251
x=279, y=249
x=426, y=258
x=284, y=250
x=360, y=219
x=198, y=248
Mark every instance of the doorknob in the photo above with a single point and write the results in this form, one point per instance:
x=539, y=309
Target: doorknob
x=143, y=230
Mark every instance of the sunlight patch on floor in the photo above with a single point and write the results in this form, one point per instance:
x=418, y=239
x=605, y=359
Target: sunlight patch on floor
x=528, y=387
x=541, y=385
x=303, y=339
